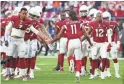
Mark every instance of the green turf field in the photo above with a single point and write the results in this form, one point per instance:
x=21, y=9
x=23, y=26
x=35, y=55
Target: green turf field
x=47, y=76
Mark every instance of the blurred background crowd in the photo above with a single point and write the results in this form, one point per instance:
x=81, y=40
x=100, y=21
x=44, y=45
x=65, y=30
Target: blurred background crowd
x=50, y=10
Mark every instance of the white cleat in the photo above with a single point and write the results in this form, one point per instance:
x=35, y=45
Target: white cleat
x=96, y=73
x=18, y=76
x=92, y=76
x=37, y=68
x=77, y=77
x=3, y=71
x=71, y=67
x=109, y=75
x=102, y=75
x=83, y=73
x=117, y=76
x=32, y=77
x=7, y=78
x=24, y=78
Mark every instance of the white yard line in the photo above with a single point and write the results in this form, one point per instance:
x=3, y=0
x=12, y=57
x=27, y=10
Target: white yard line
x=66, y=57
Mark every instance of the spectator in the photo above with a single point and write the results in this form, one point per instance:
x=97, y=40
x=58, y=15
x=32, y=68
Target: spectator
x=56, y=6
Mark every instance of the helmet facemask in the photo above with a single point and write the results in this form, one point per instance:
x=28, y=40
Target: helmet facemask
x=83, y=13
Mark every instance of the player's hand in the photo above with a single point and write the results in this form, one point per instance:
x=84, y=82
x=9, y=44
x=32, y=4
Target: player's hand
x=6, y=43
x=109, y=47
x=49, y=41
x=120, y=47
x=118, y=44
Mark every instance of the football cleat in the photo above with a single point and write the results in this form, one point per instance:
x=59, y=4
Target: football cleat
x=117, y=76
x=92, y=76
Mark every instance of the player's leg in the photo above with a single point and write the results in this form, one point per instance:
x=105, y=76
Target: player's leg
x=94, y=51
x=62, y=51
x=103, y=54
x=33, y=55
x=3, y=56
x=114, y=52
x=17, y=68
x=78, y=58
x=70, y=51
x=39, y=49
x=107, y=71
x=22, y=61
x=10, y=52
x=28, y=58
x=84, y=59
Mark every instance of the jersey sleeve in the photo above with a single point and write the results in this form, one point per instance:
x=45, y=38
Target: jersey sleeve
x=57, y=25
x=107, y=24
x=12, y=18
x=115, y=23
x=91, y=24
x=41, y=20
x=34, y=30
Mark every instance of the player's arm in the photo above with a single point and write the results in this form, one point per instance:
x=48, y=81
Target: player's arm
x=57, y=29
x=116, y=36
x=109, y=35
x=44, y=30
x=8, y=30
x=59, y=34
x=86, y=35
x=39, y=33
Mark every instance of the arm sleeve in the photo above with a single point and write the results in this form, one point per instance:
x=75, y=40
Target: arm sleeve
x=34, y=30
x=8, y=30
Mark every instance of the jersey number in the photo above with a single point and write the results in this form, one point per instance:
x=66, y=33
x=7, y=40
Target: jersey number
x=73, y=29
x=99, y=32
x=20, y=26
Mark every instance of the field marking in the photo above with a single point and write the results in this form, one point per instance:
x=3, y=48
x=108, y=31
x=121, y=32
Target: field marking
x=40, y=64
x=66, y=57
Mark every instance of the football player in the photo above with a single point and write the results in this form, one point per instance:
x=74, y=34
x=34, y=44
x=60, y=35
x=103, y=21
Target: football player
x=113, y=39
x=72, y=27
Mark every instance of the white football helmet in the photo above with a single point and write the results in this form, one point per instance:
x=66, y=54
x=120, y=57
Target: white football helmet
x=92, y=12
x=66, y=15
x=33, y=11
x=83, y=10
x=107, y=15
x=7, y=13
x=16, y=11
x=98, y=11
x=27, y=7
x=38, y=8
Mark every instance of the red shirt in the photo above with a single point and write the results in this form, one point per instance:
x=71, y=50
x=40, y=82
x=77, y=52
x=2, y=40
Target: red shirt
x=72, y=28
x=113, y=25
x=59, y=25
x=18, y=24
x=99, y=30
x=85, y=22
x=36, y=25
x=41, y=20
x=27, y=34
